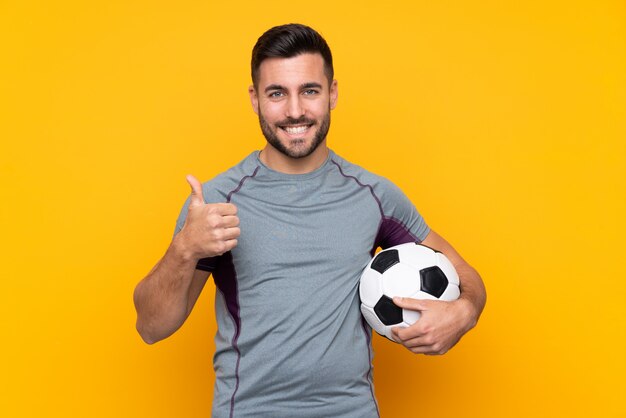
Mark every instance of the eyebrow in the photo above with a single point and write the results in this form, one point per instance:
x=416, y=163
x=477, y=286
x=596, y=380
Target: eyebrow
x=309, y=85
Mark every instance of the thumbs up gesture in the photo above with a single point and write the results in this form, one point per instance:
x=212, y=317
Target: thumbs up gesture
x=210, y=229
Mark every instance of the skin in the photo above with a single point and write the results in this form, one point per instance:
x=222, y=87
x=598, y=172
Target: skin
x=290, y=92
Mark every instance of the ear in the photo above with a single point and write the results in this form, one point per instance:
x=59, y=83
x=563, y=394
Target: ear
x=254, y=99
x=333, y=94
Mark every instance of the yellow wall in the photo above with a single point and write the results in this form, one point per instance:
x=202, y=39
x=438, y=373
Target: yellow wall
x=505, y=122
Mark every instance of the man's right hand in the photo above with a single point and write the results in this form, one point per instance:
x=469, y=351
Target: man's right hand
x=210, y=229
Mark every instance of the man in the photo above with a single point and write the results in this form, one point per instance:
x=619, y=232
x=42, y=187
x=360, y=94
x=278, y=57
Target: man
x=286, y=233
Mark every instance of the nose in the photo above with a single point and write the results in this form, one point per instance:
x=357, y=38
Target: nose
x=294, y=107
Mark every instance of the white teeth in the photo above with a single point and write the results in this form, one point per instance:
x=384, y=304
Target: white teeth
x=293, y=130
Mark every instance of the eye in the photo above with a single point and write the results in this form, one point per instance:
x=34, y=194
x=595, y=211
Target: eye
x=310, y=92
x=276, y=94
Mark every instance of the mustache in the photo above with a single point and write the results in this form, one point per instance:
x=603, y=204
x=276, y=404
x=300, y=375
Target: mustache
x=300, y=121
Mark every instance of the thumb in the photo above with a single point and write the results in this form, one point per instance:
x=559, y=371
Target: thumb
x=197, y=198
x=410, y=303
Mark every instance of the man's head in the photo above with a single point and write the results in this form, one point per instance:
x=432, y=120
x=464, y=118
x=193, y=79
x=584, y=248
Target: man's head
x=293, y=89
x=287, y=41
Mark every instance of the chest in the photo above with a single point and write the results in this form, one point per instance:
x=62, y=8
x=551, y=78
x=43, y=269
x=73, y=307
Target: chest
x=300, y=232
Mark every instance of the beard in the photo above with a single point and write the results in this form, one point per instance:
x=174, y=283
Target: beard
x=298, y=148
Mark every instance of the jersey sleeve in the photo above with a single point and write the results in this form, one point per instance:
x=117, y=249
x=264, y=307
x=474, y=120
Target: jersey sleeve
x=401, y=222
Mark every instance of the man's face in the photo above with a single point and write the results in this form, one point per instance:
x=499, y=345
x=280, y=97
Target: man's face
x=293, y=101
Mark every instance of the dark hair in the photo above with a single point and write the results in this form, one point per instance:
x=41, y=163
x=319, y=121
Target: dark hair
x=287, y=41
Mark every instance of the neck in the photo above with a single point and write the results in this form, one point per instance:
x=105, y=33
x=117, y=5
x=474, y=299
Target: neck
x=282, y=163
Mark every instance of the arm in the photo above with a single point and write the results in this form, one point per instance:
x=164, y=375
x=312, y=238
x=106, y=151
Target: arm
x=442, y=324
x=165, y=297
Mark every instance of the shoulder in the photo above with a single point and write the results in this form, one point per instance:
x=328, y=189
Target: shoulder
x=218, y=188
x=401, y=220
x=381, y=187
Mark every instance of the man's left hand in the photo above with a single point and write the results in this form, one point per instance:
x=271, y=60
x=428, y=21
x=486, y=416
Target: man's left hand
x=440, y=327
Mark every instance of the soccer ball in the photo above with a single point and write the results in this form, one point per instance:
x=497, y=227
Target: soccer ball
x=407, y=270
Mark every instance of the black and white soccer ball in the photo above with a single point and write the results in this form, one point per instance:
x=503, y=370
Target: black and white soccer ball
x=407, y=270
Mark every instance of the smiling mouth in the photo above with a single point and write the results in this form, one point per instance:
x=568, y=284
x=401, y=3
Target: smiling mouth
x=295, y=130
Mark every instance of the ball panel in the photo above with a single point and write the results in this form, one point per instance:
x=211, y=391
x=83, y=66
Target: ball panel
x=384, y=260
x=400, y=280
x=410, y=317
x=372, y=319
x=452, y=293
x=448, y=269
x=370, y=288
x=423, y=295
x=434, y=281
x=388, y=312
x=387, y=333
x=401, y=247
x=417, y=256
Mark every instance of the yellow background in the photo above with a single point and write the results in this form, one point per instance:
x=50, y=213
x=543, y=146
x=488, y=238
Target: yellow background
x=505, y=123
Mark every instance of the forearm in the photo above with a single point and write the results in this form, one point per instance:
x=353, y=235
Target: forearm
x=161, y=298
x=472, y=291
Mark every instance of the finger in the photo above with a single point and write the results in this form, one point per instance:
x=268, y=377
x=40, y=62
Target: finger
x=231, y=233
x=230, y=244
x=417, y=345
x=197, y=198
x=395, y=334
x=406, y=334
x=410, y=303
x=230, y=221
x=429, y=350
x=417, y=342
x=224, y=209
